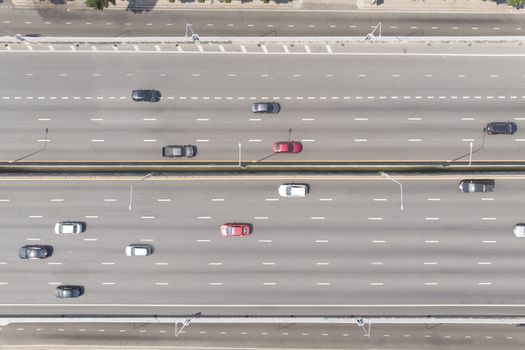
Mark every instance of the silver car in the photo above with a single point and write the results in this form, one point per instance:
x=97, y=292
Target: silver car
x=294, y=190
x=69, y=227
x=266, y=107
x=67, y=291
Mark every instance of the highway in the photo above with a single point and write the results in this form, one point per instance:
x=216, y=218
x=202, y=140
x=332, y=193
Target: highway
x=256, y=23
x=361, y=106
x=242, y=336
x=345, y=249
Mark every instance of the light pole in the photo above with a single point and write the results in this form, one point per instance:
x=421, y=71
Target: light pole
x=131, y=188
x=240, y=146
x=470, y=155
x=397, y=182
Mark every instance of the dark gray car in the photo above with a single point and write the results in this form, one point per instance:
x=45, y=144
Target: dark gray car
x=146, y=95
x=34, y=252
x=476, y=185
x=266, y=107
x=69, y=291
x=179, y=151
x=501, y=128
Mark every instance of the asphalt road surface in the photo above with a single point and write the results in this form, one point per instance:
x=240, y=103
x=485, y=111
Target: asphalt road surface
x=363, y=106
x=59, y=22
x=243, y=336
x=345, y=249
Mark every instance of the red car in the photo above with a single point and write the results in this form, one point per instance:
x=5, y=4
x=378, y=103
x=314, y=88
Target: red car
x=236, y=230
x=287, y=147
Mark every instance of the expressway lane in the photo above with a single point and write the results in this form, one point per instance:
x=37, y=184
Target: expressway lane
x=279, y=336
x=346, y=248
x=341, y=108
x=53, y=22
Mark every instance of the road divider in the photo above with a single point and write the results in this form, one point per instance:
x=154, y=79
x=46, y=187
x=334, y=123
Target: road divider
x=251, y=167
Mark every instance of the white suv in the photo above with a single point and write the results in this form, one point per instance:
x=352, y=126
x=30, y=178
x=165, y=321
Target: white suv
x=139, y=250
x=69, y=227
x=294, y=190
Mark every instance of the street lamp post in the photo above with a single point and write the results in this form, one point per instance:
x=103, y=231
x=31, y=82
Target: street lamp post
x=397, y=182
x=131, y=188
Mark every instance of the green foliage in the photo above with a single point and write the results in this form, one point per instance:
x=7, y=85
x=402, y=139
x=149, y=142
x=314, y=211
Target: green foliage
x=171, y=0
x=99, y=4
x=266, y=1
x=201, y=1
x=228, y=1
x=516, y=3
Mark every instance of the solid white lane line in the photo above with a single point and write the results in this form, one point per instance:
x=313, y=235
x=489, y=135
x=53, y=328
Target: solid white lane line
x=377, y=284
x=147, y=217
x=163, y=200
x=375, y=219
x=322, y=263
x=203, y=217
x=433, y=199
x=489, y=242
x=431, y=241
x=90, y=239
x=380, y=199
x=110, y=199
x=108, y=283
x=91, y=216
x=215, y=283
x=268, y=263
x=269, y=283
x=323, y=283
x=488, y=219
x=325, y=199
x=203, y=241
x=33, y=239
x=35, y=216
x=378, y=241
x=161, y=263
x=108, y=263
x=272, y=199
x=321, y=241
x=56, y=200
x=431, y=284
x=215, y=263
x=430, y=263
x=265, y=241
x=376, y=263
x=161, y=283
x=484, y=283
x=487, y=199
x=484, y=263
x=217, y=199
x=432, y=219
x=317, y=217
x=260, y=217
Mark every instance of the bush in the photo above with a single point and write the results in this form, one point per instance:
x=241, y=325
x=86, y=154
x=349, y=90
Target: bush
x=266, y=1
x=228, y=1
x=516, y=3
x=201, y=1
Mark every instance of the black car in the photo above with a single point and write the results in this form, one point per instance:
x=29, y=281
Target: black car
x=476, y=185
x=266, y=107
x=504, y=128
x=146, y=95
x=34, y=252
x=67, y=291
x=178, y=151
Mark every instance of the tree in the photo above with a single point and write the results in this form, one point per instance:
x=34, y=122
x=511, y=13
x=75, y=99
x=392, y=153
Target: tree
x=99, y=4
x=516, y=3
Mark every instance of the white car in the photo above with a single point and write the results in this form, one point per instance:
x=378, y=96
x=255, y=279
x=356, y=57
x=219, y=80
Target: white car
x=519, y=230
x=139, y=250
x=294, y=190
x=69, y=227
